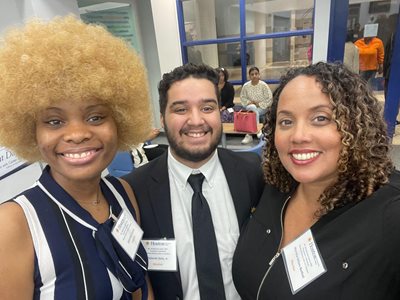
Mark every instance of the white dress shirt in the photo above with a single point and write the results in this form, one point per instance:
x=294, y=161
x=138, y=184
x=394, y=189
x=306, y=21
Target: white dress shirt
x=216, y=191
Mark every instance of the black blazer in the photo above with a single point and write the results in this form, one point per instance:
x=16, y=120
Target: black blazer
x=150, y=184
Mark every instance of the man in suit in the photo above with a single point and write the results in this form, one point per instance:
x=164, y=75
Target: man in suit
x=232, y=186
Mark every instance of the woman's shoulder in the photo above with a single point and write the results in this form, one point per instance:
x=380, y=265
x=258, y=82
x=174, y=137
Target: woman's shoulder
x=14, y=229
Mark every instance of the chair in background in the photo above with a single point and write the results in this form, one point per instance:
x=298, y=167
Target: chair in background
x=256, y=149
x=122, y=164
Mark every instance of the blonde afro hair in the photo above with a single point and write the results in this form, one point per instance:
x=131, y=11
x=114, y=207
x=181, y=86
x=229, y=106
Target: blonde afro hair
x=68, y=60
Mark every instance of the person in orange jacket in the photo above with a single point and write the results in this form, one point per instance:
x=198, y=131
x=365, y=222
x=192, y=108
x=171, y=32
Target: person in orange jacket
x=371, y=55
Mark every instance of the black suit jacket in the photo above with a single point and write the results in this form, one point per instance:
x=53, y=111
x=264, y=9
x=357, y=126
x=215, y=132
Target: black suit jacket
x=150, y=184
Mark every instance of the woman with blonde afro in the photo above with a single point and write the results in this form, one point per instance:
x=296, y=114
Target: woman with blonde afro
x=71, y=95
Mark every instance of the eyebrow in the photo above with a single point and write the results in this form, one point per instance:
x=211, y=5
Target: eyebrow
x=94, y=106
x=182, y=102
x=314, y=108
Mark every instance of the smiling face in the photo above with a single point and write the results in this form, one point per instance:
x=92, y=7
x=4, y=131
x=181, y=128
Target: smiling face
x=78, y=140
x=306, y=136
x=192, y=121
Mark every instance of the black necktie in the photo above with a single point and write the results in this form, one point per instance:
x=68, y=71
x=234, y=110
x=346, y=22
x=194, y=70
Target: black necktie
x=208, y=266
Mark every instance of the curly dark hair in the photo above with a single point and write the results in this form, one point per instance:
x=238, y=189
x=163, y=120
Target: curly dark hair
x=200, y=71
x=364, y=163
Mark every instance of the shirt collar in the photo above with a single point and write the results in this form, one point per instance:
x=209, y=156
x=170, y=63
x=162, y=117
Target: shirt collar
x=182, y=172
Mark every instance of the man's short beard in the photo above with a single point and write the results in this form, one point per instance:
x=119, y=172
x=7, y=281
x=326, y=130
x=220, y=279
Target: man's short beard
x=194, y=156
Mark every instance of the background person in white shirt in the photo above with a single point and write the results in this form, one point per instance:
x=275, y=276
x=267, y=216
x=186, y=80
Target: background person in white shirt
x=255, y=96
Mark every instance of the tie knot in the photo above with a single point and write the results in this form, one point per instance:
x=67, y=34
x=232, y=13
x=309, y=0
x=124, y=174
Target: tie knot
x=196, y=182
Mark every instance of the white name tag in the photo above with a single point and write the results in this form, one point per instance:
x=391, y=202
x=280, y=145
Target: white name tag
x=230, y=110
x=127, y=233
x=303, y=261
x=161, y=254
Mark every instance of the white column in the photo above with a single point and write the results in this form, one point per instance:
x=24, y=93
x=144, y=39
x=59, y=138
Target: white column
x=167, y=34
x=322, y=11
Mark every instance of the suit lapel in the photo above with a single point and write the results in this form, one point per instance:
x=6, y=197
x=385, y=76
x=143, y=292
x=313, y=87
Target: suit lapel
x=237, y=183
x=160, y=197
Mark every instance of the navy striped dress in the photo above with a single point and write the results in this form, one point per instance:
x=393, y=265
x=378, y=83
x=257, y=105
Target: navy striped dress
x=68, y=263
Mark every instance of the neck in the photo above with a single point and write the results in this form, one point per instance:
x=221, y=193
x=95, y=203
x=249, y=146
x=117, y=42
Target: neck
x=309, y=194
x=87, y=193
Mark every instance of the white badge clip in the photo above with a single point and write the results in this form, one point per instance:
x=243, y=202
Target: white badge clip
x=127, y=233
x=161, y=254
x=303, y=261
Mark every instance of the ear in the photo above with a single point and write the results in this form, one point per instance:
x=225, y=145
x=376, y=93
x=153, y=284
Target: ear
x=162, y=120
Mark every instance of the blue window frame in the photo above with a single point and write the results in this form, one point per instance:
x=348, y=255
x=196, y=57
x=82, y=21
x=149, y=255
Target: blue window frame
x=242, y=39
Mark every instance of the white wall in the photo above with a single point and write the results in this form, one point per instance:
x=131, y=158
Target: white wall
x=19, y=181
x=15, y=12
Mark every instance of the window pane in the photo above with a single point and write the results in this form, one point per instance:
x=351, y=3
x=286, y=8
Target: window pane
x=210, y=19
x=266, y=16
x=274, y=56
x=382, y=17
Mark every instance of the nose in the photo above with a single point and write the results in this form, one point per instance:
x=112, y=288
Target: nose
x=77, y=132
x=301, y=133
x=195, y=117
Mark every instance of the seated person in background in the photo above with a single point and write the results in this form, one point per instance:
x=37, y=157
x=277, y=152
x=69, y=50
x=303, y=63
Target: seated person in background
x=225, y=88
x=74, y=90
x=255, y=96
x=332, y=194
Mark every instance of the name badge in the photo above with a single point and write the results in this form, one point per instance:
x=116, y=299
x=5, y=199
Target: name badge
x=303, y=261
x=127, y=233
x=161, y=254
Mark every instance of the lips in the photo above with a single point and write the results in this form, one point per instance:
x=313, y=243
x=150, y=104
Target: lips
x=196, y=134
x=79, y=155
x=305, y=156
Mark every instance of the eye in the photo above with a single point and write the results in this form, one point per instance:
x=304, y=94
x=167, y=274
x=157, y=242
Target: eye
x=180, y=110
x=95, y=119
x=285, y=122
x=321, y=119
x=208, y=109
x=54, y=122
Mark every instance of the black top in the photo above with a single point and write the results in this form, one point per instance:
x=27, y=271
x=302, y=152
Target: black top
x=227, y=95
x=359, y=243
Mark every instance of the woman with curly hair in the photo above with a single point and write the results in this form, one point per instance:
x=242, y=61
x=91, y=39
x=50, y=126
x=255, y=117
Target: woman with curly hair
x=327, y=225
x=70, y=94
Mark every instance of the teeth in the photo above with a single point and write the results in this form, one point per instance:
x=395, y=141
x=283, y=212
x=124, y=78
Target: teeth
x=78, y=155
x=305, y=156
x=195, y=134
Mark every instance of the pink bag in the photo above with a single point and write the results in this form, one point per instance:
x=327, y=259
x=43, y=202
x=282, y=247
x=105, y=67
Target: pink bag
x=245, y=121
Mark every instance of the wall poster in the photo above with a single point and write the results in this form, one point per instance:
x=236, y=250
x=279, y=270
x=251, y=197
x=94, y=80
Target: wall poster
x=9, y=163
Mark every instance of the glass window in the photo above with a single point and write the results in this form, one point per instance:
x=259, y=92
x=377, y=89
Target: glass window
x=210, y=19
x=274, y=56
x=276, y=16
x=373, y=21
